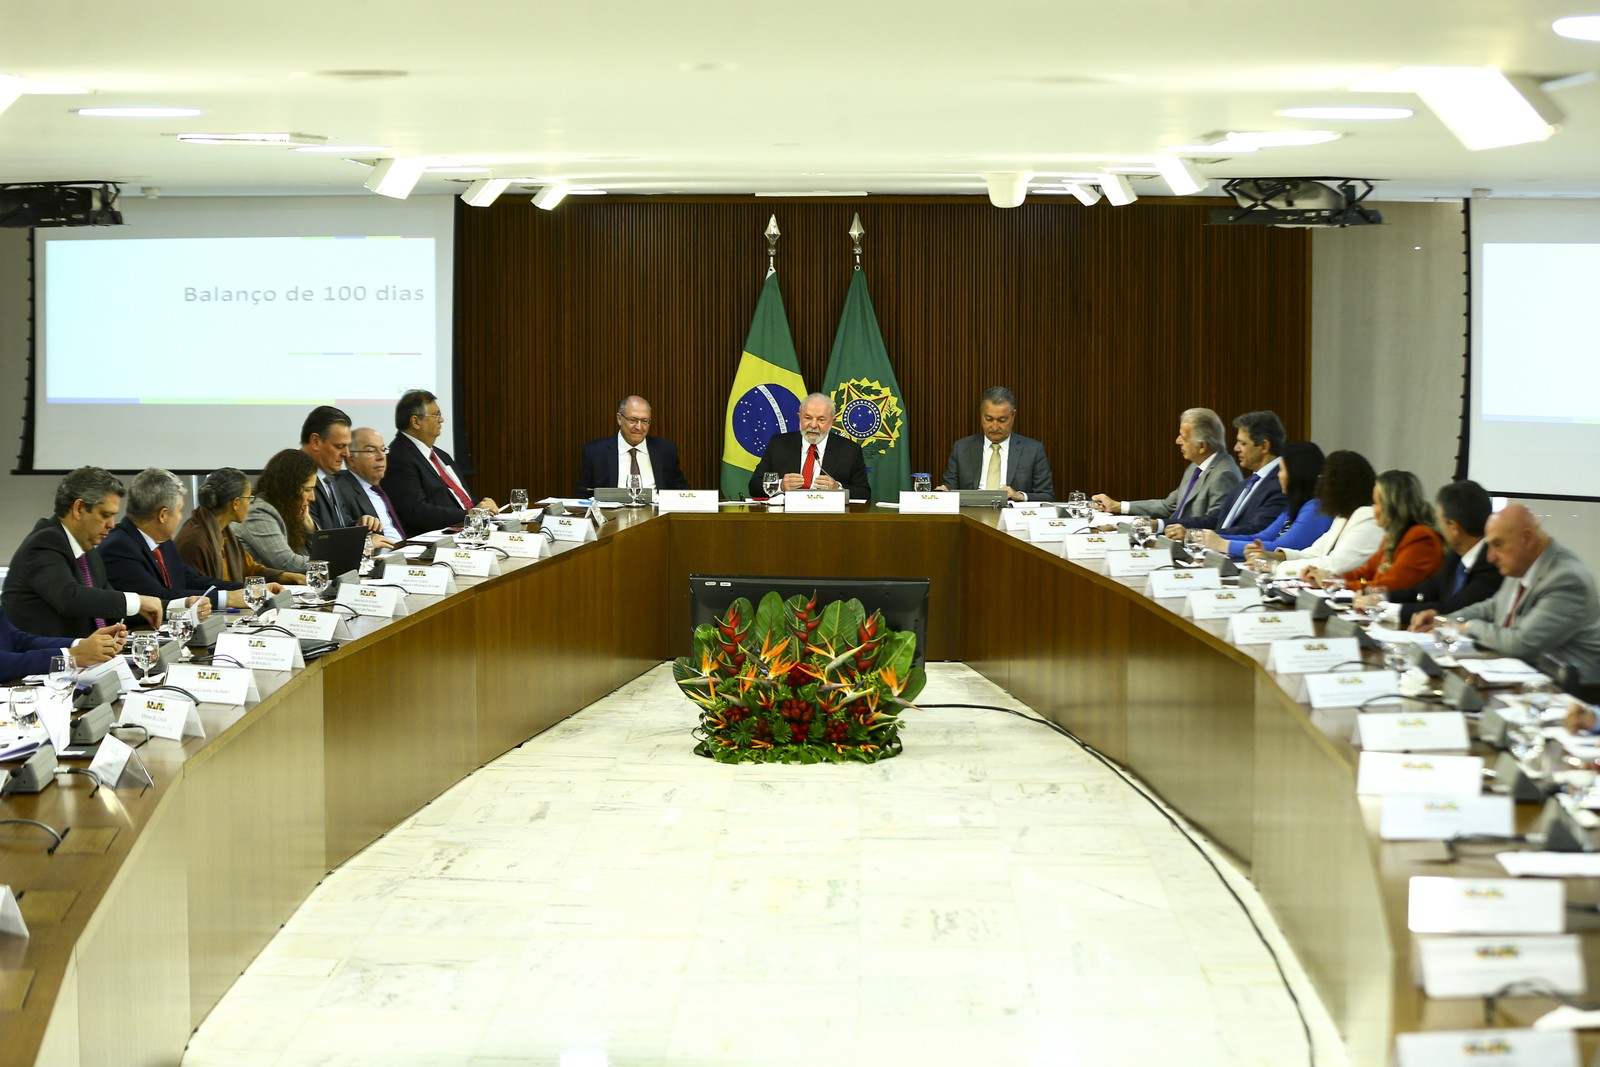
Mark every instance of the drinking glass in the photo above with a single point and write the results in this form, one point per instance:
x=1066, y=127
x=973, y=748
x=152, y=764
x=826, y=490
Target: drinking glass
x=1263, y=567
x=147, y=649
x=519, y=503
x=1396, y=657
x=771, y=482
x=182, y=623
x=1196, y=541
x=255, y=592
x=1141, y=532
x=318, y=578
x=1333, y=585
x=63, y=673
x=25, y=706
x=1447, y=633
x=635, y=489
x=1375, y=602
x=922, y=483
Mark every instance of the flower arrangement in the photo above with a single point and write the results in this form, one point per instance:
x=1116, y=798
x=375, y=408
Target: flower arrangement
x=788, y=682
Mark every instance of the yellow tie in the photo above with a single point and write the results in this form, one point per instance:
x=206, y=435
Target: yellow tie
x=992, y=480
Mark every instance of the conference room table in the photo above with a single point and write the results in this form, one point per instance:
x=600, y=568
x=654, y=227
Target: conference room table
x=158, y=898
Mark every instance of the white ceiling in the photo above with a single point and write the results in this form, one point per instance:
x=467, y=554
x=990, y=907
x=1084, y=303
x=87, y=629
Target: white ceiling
x=739, y=96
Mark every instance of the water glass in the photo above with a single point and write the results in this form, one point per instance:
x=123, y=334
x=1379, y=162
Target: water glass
x=519, y=502
x=1447, y=633
x=1196, y=542
x=63, y=673
x=1141, y=532
x=1333, y=585
x=922, y=483
x=255, y=592
x=318, y=578
x=25, y=706
x=1396, y=657
x=147, y=648
x=635, y=489
x=771, y=482
x=1375, y=602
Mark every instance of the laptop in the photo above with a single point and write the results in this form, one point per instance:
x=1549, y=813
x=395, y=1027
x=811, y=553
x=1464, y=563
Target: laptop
x=982, y=498
x=609, y=494
x=341, y=547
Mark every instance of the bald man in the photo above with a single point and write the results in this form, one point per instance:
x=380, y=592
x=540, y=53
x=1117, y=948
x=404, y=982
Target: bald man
x=1546, y=602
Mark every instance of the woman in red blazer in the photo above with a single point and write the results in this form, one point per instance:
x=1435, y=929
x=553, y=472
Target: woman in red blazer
x=1412, y=549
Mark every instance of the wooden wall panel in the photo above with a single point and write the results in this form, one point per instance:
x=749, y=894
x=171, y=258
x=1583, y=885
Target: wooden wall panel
x=1105, y=322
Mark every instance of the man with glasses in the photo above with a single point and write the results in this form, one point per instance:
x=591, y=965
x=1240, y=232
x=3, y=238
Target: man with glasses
x=368, y=462
x=423, y=484
x=611, y=461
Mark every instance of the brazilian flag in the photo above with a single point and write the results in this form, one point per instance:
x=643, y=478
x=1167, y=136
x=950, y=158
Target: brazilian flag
x=766, y=393
x=872, y=410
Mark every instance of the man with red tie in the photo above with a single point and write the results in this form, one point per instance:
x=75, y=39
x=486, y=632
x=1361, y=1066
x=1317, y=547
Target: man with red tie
x=57, y=582
x=426, y=489
x=141, y=558
x=814, y=458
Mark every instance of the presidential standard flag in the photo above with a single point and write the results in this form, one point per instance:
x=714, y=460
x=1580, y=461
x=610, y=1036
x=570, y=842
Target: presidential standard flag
x=765, y=398
x=871, y=406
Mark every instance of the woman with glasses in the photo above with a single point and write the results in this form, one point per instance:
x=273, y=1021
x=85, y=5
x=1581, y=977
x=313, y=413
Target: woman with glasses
x=208, y=542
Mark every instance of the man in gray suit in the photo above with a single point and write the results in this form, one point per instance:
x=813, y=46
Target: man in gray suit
x=998, y=458
x=1546, y=603
x=1206, y=480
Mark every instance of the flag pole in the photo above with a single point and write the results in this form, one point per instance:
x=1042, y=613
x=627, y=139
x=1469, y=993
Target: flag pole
x=857, y=231
x=773, y=233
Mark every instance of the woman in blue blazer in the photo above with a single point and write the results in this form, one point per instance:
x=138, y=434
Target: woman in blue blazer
x=1302, y=520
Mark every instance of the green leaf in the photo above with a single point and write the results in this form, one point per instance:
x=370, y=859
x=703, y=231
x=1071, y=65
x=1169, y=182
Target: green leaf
x=771, y=623
x=898, y=651
x=841, y=625
x=914, y=683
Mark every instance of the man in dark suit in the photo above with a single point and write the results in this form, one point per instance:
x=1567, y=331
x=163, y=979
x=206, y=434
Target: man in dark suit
x=57, y=583
x=140, y=557
x=363, y=471
x=1467, y=574
x=427, y=490
x=22, y=654
x=325, y=436
x=608, y=461
x=814, y=457
x=998, y=458
x=1251, y=505
x=1206, y=481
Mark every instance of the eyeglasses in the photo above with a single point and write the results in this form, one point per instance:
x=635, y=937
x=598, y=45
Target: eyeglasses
x=634, y=422
x=369, y=451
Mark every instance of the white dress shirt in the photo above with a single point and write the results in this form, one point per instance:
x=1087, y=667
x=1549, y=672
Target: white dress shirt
x=380, y=508
x=647, y=473
x=1005, y=463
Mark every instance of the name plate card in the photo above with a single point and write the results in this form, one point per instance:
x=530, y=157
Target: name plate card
x=1015, y=519
x=215, y=685
x=430, y=581
x=930, y=503
x=1261, y=627
x=518, y=545
x=110, y=760
x=1137, y=562
x=1477, y=967
x=1316, y=654
x=55, y=715
x=1413, y=731
x=1166, y=584
x=1387, y=773
x=1349, y=689
x=701, y=500
x=312, y=625
x=376, y=601
x=1046, y=531
x=472, y=562
x=1220, y=603
x=1426, y=818
x=168, y=715
x=1082, y=546
x=816, y=501
x=261, y=652
x=563, y=528
x=1487, y=906
x=1474, y=1048
x=11, y=922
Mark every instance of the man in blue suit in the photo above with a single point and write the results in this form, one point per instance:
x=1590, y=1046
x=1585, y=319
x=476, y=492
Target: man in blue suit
x=1257, y=500
x=609, y=461
x=22, y=654
x=140, y=557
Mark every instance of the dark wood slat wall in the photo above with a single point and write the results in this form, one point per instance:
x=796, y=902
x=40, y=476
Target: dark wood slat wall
x=1106, y=322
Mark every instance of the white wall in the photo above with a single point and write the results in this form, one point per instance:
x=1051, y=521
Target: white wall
x=1388, y=344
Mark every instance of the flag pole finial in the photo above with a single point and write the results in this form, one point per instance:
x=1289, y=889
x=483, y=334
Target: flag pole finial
x=857, y=231
x=773, y=233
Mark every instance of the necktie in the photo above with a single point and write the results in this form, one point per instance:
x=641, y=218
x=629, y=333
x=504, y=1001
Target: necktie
x=1194, y=480
x=332, y=498
x=389, y=507
x=83, y=569
x=994, y=479
x=633, y=461
x=1238, y=502
x=161, y=565
x=459, y=493
x=1516, y=603
x=810, y=467
x=1461, y=577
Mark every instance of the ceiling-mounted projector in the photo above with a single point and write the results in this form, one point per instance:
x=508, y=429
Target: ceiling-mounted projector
x=59, y=204
x=1297, y=202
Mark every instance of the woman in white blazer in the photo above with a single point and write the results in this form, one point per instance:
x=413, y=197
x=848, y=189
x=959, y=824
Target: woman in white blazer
x=1345, y=493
